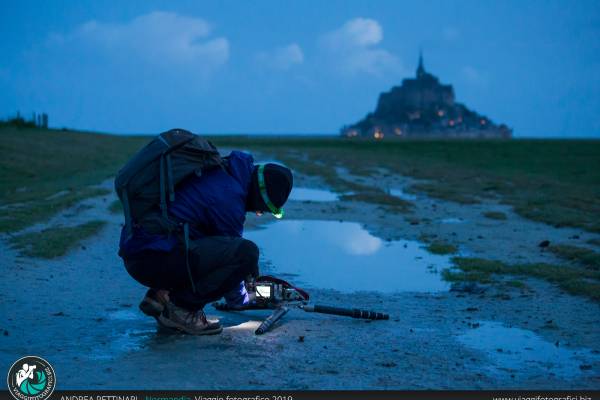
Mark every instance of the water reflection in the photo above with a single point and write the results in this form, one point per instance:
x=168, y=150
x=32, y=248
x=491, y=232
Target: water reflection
x=344, y=256
x=304, y=194
x=402, y=194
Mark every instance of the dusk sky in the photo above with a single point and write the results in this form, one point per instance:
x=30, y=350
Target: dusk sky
x=295, y=66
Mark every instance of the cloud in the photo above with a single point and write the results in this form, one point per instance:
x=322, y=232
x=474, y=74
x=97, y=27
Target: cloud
x=282, y=58
x=353, y=48
x=158, y=40
x=124, y=75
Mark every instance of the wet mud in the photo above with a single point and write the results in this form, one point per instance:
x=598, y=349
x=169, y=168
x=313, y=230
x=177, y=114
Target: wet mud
x=80, y=311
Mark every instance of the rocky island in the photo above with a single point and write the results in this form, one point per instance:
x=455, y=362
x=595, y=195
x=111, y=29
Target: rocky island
x=422, y=107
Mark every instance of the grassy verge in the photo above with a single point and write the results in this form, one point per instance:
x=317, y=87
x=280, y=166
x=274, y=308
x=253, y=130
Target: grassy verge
x=18, y=216
x=116, y=207
x=582, y=256
x=498, y=215
x=442, y=248
x=577, y=281
x=54, y=242
x=45, y=171
x=374, y=196
x=552, y=181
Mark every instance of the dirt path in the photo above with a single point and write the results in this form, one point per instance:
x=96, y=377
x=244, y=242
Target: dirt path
x=80, y=313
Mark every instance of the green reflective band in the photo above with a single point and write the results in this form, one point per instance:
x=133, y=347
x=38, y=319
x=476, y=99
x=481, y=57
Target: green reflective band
x=277, y=212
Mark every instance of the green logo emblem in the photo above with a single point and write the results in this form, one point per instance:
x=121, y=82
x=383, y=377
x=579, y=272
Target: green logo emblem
x=31, y=378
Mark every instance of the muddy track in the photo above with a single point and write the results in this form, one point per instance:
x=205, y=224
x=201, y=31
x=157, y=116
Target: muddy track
x=80, y=313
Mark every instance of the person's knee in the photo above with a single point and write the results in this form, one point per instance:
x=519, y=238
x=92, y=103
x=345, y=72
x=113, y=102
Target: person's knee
x=248, y=252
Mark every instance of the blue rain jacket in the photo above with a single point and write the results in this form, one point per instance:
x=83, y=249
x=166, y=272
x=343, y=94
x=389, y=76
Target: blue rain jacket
x=214, y=204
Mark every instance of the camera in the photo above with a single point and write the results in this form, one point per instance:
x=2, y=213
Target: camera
x=269, y=293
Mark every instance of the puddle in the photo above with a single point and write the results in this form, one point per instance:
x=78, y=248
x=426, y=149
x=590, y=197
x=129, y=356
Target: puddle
x=125, y=315
x=452, y=221
x=345, y=257
x=402, y=194
x=124, y=342
x=519, y=350
x=304, y=194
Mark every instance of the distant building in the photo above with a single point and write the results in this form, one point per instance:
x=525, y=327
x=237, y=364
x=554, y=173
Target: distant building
x=423, y=107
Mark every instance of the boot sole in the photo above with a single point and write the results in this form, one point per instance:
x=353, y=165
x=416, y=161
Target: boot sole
x=171, y=325
x=151, y=308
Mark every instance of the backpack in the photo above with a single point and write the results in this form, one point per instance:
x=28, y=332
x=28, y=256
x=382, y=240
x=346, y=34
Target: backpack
x=146, y=184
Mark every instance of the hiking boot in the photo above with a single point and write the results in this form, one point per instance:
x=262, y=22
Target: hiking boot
x=192, y=322
x=154, y=302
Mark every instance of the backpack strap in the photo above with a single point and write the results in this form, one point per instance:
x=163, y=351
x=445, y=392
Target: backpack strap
x=186, y=239
x=127, y=212
x=163, y=194
x=170, y=178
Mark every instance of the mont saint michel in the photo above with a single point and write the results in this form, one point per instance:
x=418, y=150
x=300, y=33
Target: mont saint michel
x=424, y=107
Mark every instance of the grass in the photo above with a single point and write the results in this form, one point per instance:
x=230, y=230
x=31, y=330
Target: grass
x=380, y=197
x=498, y=215
x=441, y=248
x=39, y=163
x=116, y=207
x=18, y=216
x=54, y=242
x=579, y=255
x=595, y=242
x=552, y=181
x=516, y=284
x=574, y=280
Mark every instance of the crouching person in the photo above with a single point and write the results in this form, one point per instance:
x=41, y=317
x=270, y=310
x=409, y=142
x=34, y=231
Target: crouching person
x=213, y=205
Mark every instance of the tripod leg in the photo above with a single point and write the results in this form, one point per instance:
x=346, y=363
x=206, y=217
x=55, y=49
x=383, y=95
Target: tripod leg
x=271, y=319
x=346, y=312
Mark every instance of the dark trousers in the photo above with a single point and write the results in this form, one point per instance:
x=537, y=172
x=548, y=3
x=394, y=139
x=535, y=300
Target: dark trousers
x=217, y=264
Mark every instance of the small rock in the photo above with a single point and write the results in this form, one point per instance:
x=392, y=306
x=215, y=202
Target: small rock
x=471, y=309
x=467, y=287
x=390, y=364
x=6, y=333
x=544, y=243
x=301, y=338
x=59, y=314
x=83, y=247
x=585, y=367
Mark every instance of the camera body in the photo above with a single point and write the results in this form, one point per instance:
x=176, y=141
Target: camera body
x=269, y=293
